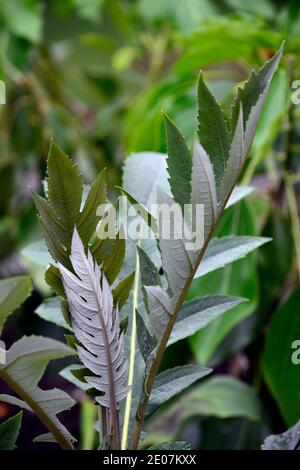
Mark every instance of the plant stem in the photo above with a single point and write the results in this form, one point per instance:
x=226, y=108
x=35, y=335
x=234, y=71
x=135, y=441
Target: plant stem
x=132, y=355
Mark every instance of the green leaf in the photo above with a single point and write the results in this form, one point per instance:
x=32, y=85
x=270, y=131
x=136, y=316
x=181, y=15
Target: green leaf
x=146, y=341
x=225, y=250
x=149, y=272
x=179, y=163
x=50, y=310
x=23, y=18
x=213, y=131
x=221, y=397
x=50, y=222
x=288, y=440
x=160, y=309
x=173, y=381
x=25, y=364
x=87, y=221
x=178, y=445
x=281, y=374
x=122, y=290
x=13, y=292
x=53, y=279
x=114, y=262
x=198, y=313
x=64, y=186
x=9, y=431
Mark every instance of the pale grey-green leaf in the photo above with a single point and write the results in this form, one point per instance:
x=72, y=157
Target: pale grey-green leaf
x=225, y=250
x=198, y=313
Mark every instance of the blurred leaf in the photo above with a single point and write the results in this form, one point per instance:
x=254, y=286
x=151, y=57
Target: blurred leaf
x=220, y=396
x=13, y=292
x=37, y=253
x=50, y=310
x=281, y=375
x=23, y=18
x=9, y=431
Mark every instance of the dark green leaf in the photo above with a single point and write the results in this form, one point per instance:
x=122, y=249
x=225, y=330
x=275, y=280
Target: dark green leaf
x=179, y=163
x=122, y=290
x=64, y=186
x=213, y=131
x=9, y=431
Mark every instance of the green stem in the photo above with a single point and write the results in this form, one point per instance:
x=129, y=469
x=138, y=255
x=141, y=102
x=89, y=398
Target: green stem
x=132, y=356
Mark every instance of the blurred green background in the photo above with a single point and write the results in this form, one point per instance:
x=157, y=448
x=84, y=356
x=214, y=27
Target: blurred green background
x=95, y=75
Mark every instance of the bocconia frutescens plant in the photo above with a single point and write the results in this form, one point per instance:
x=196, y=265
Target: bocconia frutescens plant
x=121, y=312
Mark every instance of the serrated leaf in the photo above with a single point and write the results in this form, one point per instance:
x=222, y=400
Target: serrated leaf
x=122, y=290
x=88, y=218
x=198, y=313
x=50, y=310
x=160, y=309
x=225, y=250
x=213, y=131
x=13, y=292
x=252, y=97
x=204, y=188
x=64, y=186
x=179, y=163
x=173, y=381
x=50, y=222
x=26, y=361
x=9, y=431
